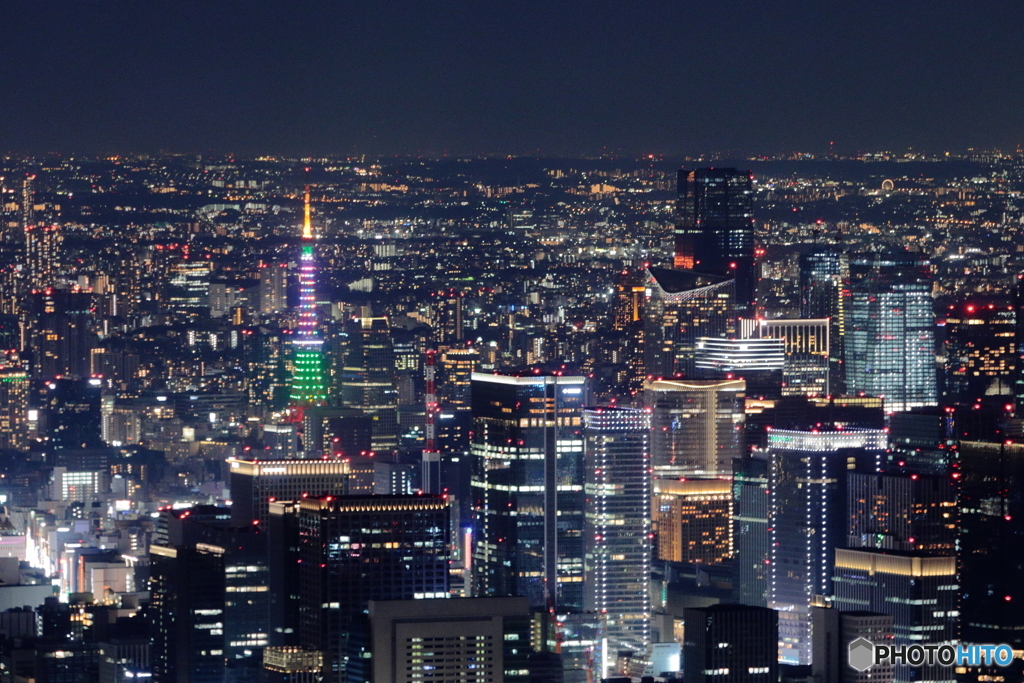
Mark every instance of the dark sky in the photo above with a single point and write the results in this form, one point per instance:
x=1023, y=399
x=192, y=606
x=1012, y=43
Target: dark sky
x=545, y=78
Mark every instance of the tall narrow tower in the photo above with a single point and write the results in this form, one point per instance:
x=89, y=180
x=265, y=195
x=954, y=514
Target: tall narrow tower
x=308, y=377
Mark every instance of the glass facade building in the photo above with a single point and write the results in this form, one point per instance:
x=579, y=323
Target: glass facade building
x=355, y=549
x=680, y=308
x=890, y=340
x=526, y=482
x=715, y=226
x=617, y=525
x=807, y=514
x=697, y=426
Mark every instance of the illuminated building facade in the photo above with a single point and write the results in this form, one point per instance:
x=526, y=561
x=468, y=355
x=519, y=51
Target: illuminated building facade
x=360, y=548
x=308, y=385
x=903, y=512
x=61, y=333
x=824, y=293
x=694, y=520
x=617, y=526
x=715, y=227
x=628, y=320
x=526, y=482
x=42, y=246
x=750, y=536
x=980, y=351
x=922, y=593
x=14, y=391
x=273, y=288
x=697, y=426
x=807, y=520
x=680, y=308
x=257, y=483
x=890, y=350
x=806, y=344
x=368, y=379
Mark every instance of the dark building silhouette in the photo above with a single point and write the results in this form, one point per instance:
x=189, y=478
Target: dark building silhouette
x=730, y=644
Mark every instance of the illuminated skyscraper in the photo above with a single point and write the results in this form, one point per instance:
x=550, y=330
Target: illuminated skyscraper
x=308, y=387
x=807, y=521
x=890, y=349
x=980, y=350
x=14, y=388
x=273, y=288
x=527, y=487
x=42, y=243
x=617, y=528
x=715, y=227
x=824, y=293
x=680, y=308
x=694, y=520
x=697, y=426
x=368, y=379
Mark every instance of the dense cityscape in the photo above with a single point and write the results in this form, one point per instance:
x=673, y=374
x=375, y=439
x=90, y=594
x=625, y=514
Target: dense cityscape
x=709, y=419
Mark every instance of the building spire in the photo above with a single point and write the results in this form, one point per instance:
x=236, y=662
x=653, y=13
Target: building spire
x=307, y=223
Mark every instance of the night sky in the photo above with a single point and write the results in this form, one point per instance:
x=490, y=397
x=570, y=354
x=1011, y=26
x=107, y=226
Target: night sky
x=538, y=78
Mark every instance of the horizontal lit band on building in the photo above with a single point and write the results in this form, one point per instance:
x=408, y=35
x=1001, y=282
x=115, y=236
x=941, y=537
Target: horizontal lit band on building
x=536, y=380
x=697, y=292
x=289, y=468
x=895, y=564
x=693, y=487
x=308, y=342
x=373, y=504
x=737, y=355
x=710, y=385
x=827, y=440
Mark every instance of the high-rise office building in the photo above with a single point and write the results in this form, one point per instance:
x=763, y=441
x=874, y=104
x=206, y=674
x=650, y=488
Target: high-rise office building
x=694, y=520
x=715, y=227
x=903, y=512
x=449, y=319
x=824, y=293
x=751, y=539
x=42, y=248
x=14, y=394
x=273, y=288
x=806, y=348
x=920, y=592
x=697, y=426
x=680, y=308
x=527, y=482
x=834, y=630
x=257, y=483
x=368, y=380
x=807, y=484
x=187, y=594
x=617, y=529
x=731, y=644
x=992, y=542
x=309, y=387
x=60, y=333
x=628, y=320
x=467, y=640
x=980, y=350
x=890, y=349
x=355, y=549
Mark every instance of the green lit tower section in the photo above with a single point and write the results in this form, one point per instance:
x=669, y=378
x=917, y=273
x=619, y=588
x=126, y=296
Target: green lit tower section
x=308, y=387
